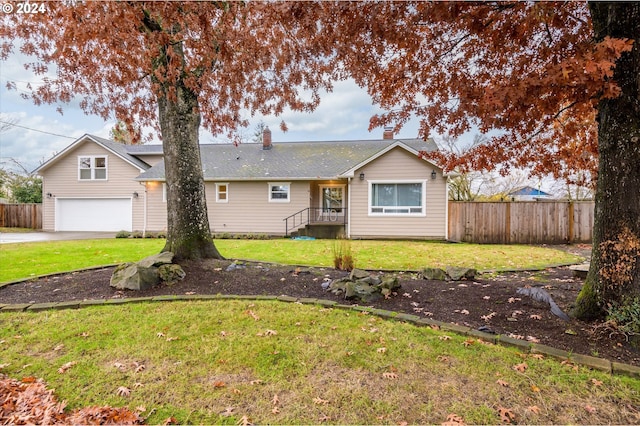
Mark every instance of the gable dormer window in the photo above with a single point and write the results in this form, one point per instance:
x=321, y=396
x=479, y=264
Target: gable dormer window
x=92, y=167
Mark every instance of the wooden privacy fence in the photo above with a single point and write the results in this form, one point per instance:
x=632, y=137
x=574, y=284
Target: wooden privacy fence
x=21, y=216
x=535, y=222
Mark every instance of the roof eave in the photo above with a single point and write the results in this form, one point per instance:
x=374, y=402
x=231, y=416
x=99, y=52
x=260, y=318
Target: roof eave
x=77, y=142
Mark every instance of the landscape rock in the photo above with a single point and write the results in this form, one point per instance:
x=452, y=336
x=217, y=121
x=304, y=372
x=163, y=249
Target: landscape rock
x=235, y=265
x=357, y=274
x=163, y=258
x=132, y=276
x=146, y=273
x=436, y=274
x=369, y=288
x=171, y=273
x=457, y=273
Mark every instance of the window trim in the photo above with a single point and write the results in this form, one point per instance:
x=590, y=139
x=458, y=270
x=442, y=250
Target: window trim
x=278, y=200
x=218, y=192
x=92, y=168
x=423, y=198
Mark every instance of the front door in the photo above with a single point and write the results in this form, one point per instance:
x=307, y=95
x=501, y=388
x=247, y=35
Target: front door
x=331, y=203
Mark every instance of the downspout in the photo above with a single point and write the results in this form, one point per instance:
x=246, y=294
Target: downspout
x=349, y=208
x=446, y=208
x=144, y=219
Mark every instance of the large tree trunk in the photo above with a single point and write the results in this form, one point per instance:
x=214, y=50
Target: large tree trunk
x=614, y=276
x=188, y=236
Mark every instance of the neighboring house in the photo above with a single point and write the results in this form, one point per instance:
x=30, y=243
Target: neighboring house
x=369, y=188
x=528, y=193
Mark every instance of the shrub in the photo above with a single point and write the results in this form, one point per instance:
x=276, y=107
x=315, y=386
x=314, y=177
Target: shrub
x=626, y=316
x=342, y=255
x=123, y=234
x=136, y=234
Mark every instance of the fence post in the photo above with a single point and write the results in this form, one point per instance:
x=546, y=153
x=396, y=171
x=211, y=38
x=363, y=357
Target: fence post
x=571, y=222
x=507, y=225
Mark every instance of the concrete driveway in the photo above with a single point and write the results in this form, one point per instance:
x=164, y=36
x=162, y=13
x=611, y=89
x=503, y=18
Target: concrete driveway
x=28, y=237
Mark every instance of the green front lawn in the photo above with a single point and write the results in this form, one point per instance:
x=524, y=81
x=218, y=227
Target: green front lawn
x=268, y=362
x=24, y=260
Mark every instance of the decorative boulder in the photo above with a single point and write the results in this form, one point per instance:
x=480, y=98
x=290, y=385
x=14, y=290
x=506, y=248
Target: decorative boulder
x=171, y=273
x=358, y=274
x=436, y=274
x=367, y=288
x=163, y=258
x=458, y=273
x=141, y=275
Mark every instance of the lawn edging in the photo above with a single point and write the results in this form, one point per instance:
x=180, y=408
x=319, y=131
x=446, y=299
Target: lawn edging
x=601, y=364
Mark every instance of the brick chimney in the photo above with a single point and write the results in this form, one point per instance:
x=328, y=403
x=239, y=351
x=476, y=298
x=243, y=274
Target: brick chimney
x=388, y=133
x=266, y=138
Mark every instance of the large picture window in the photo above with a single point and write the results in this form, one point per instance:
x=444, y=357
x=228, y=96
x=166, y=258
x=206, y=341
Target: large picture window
x=397, y=198
x=92, y=168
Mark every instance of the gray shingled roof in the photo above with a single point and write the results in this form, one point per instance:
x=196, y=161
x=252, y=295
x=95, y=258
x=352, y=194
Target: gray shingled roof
x=124, y=151
x=288, y=160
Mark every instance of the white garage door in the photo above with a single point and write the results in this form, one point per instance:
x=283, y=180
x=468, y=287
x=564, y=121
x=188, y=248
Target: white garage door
x=93, y=214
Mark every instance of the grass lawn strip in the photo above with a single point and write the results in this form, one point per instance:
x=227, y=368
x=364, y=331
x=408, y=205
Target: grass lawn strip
x=29, y=260
x=304, y=364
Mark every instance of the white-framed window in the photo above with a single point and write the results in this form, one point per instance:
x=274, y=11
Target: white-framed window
x=397, y=198
x=222, y=192
x=279, y=192
x=92, y=167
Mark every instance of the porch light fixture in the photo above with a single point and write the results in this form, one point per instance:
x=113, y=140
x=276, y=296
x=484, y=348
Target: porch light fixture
x=49, y=195
x=135, y=194
x=433, y=174
x=361, y=176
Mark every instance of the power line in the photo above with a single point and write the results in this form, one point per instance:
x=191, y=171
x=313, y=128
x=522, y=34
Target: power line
x=35, y=130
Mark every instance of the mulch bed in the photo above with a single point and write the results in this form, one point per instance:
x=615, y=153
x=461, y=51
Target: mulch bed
x=487, y=301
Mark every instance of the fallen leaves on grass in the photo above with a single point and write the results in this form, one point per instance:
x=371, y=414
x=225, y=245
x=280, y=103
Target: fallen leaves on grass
x=31, y=402
x=389, y=375
x=534, y=409
x=228, y=412
x=244, y=421
x=506, y=415
x=320, y=401
x=252, y=314
x=453, y=420
x=502, y=383
x=63, y=369
x=521, y=367
x=123, y=391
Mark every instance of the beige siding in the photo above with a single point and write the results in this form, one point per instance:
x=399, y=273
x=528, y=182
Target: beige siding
x=150, y=159
x=61, y=180
x=156, y=207
x=398, y=164
x=248, y=209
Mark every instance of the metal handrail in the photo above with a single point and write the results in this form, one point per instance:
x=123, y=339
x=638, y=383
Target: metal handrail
x=315, y=215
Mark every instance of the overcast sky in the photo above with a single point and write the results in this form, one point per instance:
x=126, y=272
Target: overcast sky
x=41, y=131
